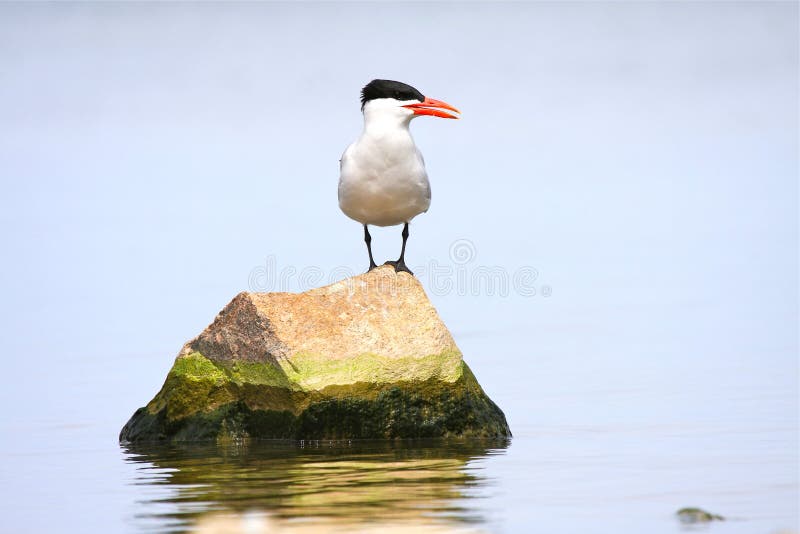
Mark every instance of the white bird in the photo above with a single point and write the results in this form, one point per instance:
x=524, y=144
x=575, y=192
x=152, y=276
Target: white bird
x=382, y=174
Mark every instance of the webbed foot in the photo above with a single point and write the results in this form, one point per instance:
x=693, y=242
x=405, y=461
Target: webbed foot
x=400, y=266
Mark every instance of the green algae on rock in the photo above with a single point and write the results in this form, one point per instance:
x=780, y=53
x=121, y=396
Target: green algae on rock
x=693, y=515
x=367, y=357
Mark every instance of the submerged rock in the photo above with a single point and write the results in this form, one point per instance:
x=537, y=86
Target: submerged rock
x=367, y=357
x=696, y=515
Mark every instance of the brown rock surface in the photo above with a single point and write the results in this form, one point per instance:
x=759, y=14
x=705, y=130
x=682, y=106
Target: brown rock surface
x=381, y=312
x=370, y=350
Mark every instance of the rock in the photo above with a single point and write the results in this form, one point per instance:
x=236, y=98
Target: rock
x=367, y=357
x=696, y=515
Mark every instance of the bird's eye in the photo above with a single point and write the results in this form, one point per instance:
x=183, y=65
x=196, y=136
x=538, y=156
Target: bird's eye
x=397, y=95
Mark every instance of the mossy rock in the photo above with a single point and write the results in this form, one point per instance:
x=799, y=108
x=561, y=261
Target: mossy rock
x=214, y=406
x=697, y=515
x=365, y=358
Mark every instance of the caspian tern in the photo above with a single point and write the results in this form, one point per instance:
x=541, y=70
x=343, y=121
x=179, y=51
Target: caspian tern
x=382, y=174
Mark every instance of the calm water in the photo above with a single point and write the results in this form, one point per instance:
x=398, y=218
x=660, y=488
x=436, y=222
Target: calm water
x=320, y=483
x=605, y=478
x=603, y=442
x=571, y=480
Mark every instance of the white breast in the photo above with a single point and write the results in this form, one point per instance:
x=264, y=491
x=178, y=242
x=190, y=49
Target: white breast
x=383, y=180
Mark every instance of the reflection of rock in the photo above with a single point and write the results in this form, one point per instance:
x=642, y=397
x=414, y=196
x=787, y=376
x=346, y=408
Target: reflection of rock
x=697, y=515
x=331, y=484
x=257, y=523
x=367, y=357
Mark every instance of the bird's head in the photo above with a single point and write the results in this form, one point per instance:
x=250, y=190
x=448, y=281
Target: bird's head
x=402, y=100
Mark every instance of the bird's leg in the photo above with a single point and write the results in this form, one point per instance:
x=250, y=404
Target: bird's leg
x=368, y=241
x=400, y=264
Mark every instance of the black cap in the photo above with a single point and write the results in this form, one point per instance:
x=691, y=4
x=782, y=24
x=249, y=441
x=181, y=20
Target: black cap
x=389, y=89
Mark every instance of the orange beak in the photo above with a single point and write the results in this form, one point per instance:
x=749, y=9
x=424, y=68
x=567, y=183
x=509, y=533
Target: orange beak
x=433, y=107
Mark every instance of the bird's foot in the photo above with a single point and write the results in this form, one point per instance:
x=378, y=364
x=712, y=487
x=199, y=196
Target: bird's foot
x=372, y=265
x=400, y=266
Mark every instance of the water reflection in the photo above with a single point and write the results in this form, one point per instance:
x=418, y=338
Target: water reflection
x=416, y=484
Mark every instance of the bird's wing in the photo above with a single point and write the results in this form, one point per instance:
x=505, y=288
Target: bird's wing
x=427, y=183
x=342, y=162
